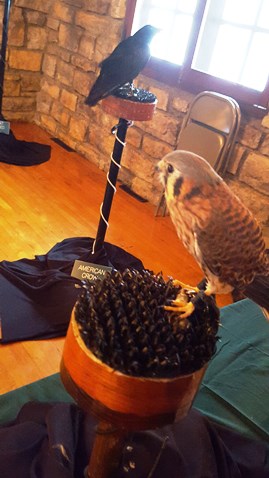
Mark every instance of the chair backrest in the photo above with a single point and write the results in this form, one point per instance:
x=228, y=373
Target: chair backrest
x=210, y=128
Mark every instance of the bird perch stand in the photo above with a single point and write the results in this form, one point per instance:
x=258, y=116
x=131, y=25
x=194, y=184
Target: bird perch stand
x=121, y=403
x=140, y=108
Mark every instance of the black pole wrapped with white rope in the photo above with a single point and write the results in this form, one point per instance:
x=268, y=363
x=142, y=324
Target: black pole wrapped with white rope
x=120, y=131
x=136, y=105
x=3, y=49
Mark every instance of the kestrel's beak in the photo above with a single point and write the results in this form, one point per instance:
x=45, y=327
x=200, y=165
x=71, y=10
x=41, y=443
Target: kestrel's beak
x=161, y=170
x=160, y=167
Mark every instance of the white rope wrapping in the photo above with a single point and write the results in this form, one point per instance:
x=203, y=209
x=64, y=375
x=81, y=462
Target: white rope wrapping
x=105, y=221
x=114, y=161
x=102, y=216
x=110, y=183
x=118, y=139
x=93, y=246
x=107, y=176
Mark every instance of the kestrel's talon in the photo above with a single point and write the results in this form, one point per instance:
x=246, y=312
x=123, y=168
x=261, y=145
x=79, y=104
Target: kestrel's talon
x=177, y=302
x=177, y=283
x=209, y=290
x=182, y=308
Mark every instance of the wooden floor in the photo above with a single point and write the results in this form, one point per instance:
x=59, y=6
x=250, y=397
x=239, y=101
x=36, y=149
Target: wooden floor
x=42, y=205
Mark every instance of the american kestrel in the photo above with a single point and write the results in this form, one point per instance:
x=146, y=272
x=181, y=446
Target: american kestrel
x=216, y=228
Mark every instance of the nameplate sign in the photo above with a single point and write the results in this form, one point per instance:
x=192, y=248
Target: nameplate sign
x=4, y=127
x=88, y=271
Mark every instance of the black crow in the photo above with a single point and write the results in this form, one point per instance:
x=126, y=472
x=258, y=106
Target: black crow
x=123, y=64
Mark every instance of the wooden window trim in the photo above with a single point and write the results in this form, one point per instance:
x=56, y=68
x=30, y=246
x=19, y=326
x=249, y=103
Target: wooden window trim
x=251, y=101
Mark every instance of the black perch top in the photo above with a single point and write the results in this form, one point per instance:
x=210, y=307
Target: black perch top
x=131, y=93
x=123, y=322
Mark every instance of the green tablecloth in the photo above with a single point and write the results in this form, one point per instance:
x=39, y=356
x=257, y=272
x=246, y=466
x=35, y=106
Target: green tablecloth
x=235, y=389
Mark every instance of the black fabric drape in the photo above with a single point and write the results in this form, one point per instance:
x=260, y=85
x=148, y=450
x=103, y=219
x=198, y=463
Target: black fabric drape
x=37, y=295
x=22, y=153
x=55, y=441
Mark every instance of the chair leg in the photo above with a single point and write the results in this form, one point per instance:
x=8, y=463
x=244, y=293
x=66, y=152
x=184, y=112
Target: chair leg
x=161, y=205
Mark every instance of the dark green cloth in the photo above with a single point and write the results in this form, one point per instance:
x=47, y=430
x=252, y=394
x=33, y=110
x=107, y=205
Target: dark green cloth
x=235, y=389
x=49, y=389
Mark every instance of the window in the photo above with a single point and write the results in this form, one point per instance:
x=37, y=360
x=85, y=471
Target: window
x=220, y=45
x=175, y=18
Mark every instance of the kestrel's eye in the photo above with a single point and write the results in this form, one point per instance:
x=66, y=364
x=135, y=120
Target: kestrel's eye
x=170, y=168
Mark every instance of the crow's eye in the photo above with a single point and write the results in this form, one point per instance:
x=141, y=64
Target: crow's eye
x=170, y=168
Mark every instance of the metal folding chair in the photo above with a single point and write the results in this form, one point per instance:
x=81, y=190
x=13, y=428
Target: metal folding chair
x=209, y=129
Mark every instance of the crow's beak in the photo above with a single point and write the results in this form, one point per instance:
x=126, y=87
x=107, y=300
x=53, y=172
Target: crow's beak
x=157, y=31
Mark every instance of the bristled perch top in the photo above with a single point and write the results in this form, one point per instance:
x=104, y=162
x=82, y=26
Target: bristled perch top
x=101, y=366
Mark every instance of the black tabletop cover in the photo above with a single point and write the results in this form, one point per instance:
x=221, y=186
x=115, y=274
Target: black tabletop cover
x=37, y=295
x=54, y=440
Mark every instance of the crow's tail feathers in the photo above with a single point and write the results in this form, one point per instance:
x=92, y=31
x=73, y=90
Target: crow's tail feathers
x=91, y=102
x=92, y=98
x=258, y=291
x=96, y=94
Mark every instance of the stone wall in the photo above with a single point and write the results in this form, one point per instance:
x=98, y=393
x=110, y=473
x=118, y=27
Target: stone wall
x=27, y=39
x=54, y=51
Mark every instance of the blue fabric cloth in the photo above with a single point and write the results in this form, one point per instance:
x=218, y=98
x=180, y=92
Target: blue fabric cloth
x=55, y=441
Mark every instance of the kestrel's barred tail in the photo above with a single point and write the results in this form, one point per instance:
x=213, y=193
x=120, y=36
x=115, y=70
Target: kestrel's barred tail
x=242, y=253
x=258, y=291
x=247, y=257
